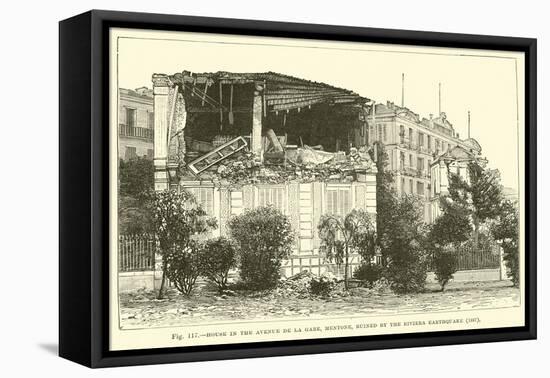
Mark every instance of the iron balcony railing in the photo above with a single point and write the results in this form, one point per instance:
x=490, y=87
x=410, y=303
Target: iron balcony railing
x=135, y=132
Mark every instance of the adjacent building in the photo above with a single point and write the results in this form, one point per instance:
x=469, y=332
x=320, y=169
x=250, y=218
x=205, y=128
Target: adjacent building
x=412, y=145
x=136, y=123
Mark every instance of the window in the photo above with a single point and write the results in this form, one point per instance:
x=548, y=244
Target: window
x=150, y=120
x=338, y=200
x=270, y=196
x=421, y=139
x=410, y=135
x=420, y=188
x=385, y=133
x=420, y=163
x=411, y=187
x=402, y=159
x=437, y=145
x=131, y=117
x=429, y=143
x=402, y=134
x=205, y=197
x=130, y=153
x=410, y=160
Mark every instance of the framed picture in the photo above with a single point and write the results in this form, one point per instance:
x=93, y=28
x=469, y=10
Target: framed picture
x=234, y=188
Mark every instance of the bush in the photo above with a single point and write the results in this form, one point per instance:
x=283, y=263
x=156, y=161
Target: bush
x=322, y=285
x=407, y=272
x=264, y=237
x=368, y=273
x=444, y=265
x=183, y=267
x=217, y=257
x=506, y=230
x=511, y=259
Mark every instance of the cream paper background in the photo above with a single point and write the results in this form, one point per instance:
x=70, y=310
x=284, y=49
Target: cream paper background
x=491, y=82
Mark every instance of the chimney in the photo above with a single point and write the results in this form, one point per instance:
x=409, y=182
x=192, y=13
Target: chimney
x=402, y=90
x=468, y=124
x=439, y=99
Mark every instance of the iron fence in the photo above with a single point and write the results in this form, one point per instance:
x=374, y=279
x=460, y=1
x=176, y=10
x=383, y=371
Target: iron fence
x=470, y=258
x=136, y=253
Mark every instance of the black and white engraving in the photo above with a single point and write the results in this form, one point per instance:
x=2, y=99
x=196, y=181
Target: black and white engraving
x=251, y=189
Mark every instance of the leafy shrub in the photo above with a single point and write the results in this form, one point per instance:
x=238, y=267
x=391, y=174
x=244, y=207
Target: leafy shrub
x=322, y=285
x=264, y=237
x=445, y=265
x=217, y=257
x=407, y=276
x=368, y=273
x=183, y=267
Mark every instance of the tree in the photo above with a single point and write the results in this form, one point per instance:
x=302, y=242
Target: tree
x=386, y=196
x=453, y=226
x=403, y=247
x=136, y=184
x=447, y=232
x=481, y=195
x=178, y=218
x=264, y=237
x=135, y=216
x=340, y=235
x=217, y=257
x=136, y=176
x=506, y=230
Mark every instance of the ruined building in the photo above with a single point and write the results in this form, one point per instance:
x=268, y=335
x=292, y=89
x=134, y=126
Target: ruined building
x=242, y=140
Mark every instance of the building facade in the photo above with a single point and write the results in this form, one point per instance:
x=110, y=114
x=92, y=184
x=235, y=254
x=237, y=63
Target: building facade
x=412, y=144
x=136, y=127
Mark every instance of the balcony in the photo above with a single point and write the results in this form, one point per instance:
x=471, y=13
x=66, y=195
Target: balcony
x=135, y=132
x=421, y=173
x=422, y=149
x=409, y=171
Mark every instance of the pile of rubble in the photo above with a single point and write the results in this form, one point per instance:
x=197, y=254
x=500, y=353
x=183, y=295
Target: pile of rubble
x=304, y=164
x=298, y=286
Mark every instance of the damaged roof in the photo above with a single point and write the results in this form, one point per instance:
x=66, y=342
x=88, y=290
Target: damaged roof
x=281, y=92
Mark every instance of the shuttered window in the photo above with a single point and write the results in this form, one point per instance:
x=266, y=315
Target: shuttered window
x=130, y=153
x=205, y=197
x=338, y=201
x=151, y=120
x=131, y=117
x=272, y=196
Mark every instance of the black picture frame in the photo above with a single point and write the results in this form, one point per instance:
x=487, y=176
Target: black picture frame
x=84, y=199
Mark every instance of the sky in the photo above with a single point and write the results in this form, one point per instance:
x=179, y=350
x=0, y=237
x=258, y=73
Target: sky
x=482, y=82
